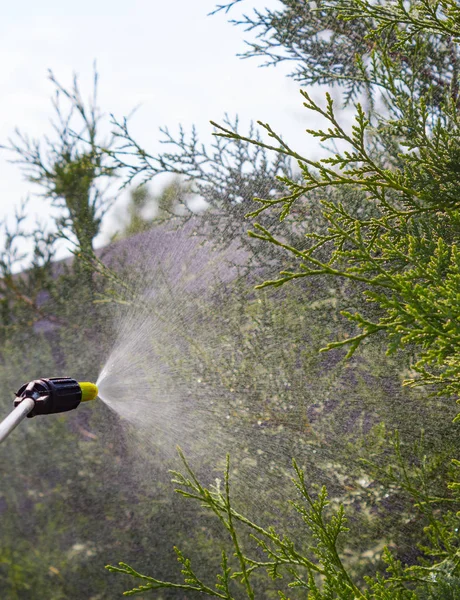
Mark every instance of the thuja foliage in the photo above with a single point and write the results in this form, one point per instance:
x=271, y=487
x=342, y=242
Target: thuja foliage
x=72, y=174
x=403, y=164
x=68, y=166
x=281, y=554
x=320, y=46
x=225, y=175
x=396, y=241
x=319, y=569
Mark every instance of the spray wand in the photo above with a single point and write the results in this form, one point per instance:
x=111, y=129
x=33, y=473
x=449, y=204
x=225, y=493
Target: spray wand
x=46, y=397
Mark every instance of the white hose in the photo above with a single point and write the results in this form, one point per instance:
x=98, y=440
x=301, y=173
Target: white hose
x=14, y=418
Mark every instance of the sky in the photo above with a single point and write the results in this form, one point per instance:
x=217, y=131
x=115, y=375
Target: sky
x=170, y=59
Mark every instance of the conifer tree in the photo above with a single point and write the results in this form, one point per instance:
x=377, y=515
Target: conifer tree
x=388, y=200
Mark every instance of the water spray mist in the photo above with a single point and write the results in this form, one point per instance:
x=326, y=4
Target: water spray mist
x=46, y=397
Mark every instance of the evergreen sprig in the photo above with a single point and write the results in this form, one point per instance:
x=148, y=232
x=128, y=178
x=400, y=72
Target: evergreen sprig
x=322, y=574
x=283, y=559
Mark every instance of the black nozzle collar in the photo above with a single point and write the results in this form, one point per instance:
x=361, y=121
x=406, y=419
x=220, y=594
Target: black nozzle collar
x=54, y=395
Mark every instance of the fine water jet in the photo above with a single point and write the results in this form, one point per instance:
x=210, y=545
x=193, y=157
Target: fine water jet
x=46, y=397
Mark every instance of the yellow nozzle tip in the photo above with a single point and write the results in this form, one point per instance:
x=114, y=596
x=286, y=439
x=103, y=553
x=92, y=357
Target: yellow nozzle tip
x=89, y=391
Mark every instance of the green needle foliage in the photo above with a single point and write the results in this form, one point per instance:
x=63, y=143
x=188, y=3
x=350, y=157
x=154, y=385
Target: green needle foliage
x=404, y=248
x=318, y=569
x=281, y=558
x=328, y=42
x=69, y=166
x=389, y=224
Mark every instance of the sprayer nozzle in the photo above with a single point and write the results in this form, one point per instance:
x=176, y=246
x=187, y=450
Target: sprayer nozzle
x=89, y=391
